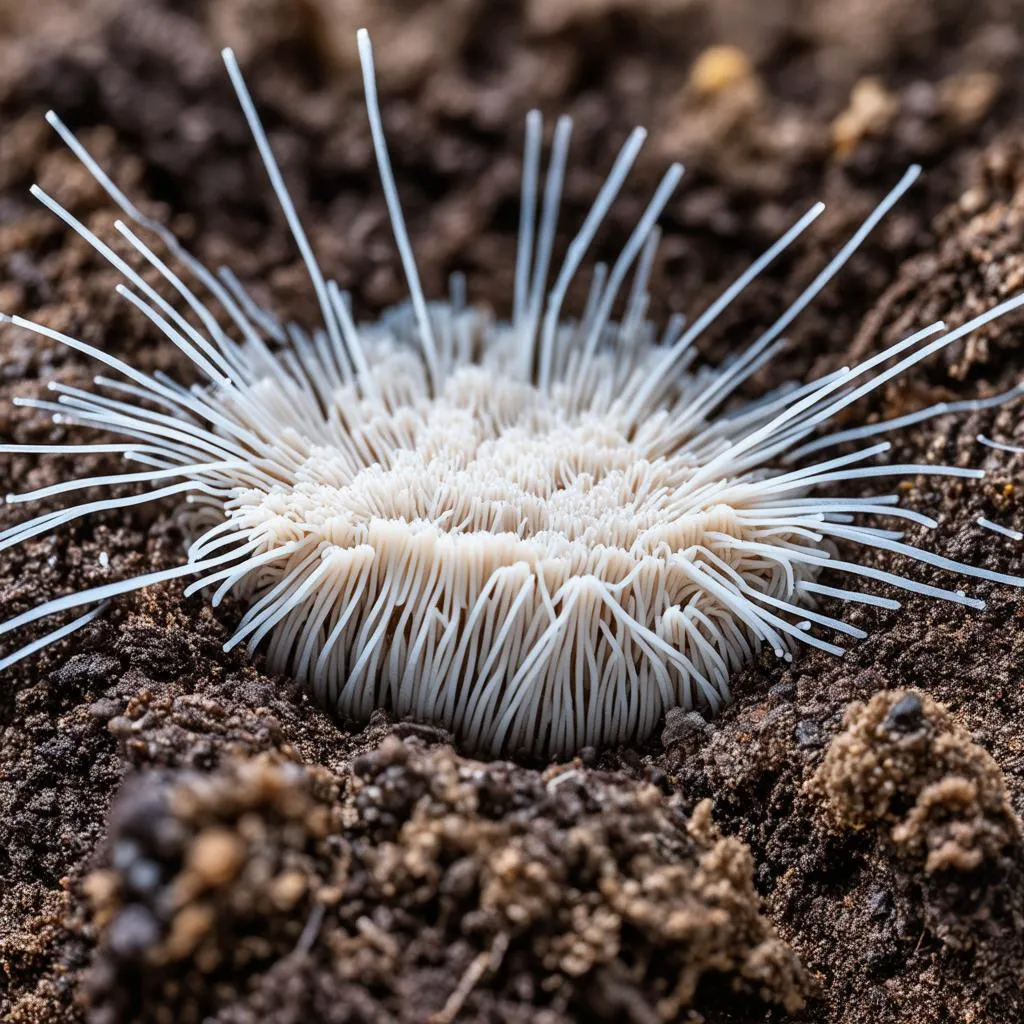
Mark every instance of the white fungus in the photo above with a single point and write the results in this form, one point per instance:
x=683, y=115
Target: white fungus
x=541, y=533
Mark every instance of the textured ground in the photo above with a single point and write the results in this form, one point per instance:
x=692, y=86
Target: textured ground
x=183, y=838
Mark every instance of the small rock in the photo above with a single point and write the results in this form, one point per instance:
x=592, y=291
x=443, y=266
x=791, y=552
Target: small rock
x=121, y=726
x=105, y=708
x=216, y=855
x=871, y=111
x=190, y=926
x=287, y=889
x=808, y=734
x=682, y=727
x=905, y=715
x=879, y=904
x=144, y=876
x=126, y=852
x=966, y=98
x=417, y=730
x=720, y=68
x=132, y=932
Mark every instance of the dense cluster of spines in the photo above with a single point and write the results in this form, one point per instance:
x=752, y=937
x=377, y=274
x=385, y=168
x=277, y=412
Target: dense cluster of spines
x=541, y=532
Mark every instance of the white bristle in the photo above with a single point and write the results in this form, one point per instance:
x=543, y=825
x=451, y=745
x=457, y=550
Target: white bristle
x=1000, y=445
x=1006, y=531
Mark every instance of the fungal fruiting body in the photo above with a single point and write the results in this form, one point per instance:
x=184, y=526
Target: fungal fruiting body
x=540, y=532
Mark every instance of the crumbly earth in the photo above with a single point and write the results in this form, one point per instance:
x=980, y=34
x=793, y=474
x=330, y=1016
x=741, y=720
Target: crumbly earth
x=901, y=760
x=884, y=896
x=587, y=890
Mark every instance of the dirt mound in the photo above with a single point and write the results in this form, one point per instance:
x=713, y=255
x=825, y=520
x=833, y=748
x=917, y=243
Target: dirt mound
x=435, y=887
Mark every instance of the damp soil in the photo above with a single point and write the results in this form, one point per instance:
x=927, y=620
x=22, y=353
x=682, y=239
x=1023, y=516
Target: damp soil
x=184, y=837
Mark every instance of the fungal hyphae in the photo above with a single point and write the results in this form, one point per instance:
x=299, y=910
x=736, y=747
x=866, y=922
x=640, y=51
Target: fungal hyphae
x=541, y=532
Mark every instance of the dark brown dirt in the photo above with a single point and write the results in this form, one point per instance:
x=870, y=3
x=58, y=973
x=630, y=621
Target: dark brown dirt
x=588, y=893
x=771, y=105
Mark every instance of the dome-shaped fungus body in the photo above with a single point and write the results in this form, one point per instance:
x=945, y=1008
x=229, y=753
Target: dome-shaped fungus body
x=541, y=532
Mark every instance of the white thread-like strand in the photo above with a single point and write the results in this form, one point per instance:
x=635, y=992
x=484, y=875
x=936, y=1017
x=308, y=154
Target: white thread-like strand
x=1001, y=446
x=1006, y=531
x=287, y=206
x=387, y=178
x=51, y=638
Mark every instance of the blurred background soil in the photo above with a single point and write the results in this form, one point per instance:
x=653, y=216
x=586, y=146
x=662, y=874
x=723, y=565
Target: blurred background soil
x=185, y=838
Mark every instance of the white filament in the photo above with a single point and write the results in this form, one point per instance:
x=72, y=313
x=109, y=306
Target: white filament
x=1006, y=531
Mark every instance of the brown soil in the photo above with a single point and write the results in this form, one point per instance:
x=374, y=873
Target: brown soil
x=585, y=892
x=182, y=835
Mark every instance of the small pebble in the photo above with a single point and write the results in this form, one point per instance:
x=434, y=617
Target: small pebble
x=144, y=876
x=132, y=932
x=126, y=852
x=287, y=889
x=105, y=708
x=879, y=904
x=905, y=715
x=682, y=727
x=808, y=734
x=216, y=855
